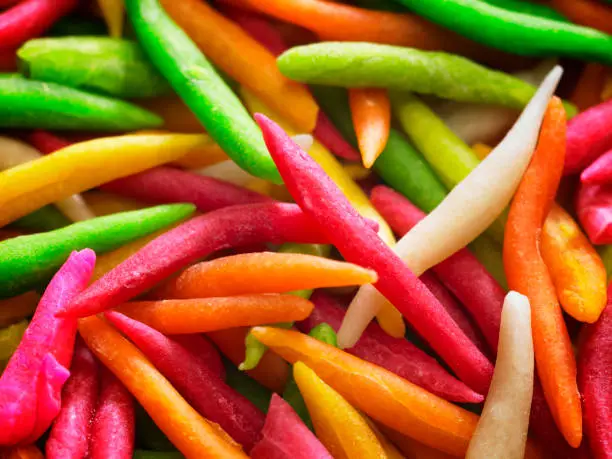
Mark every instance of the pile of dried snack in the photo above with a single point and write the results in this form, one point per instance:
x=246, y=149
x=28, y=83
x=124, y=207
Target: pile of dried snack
x=305, y=229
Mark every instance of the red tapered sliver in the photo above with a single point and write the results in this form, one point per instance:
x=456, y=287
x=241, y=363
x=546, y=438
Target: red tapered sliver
x=202, y=350
x=31, y=384
x=163, y=184
x=30, y=19
x=190, y=241
x=114, y=425
x=320, y=198
x=399, y=356
x=599, y=172
x=594, y=209
x=326, y=133
x=69, y=436
x=461, y=273
x=203, y=389
x=454, y=309
x=595, y=382
x=285, y=436
x=589, y=135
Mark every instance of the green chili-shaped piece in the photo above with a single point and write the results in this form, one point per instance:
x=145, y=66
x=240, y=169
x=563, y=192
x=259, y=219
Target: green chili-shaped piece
x=402, y=167
x=514, y=31
x=97, y=64
x=326, y=334
x=36, y=104
x=382, y=66
x=255, y=349
x=201, y=88
x=26, y=261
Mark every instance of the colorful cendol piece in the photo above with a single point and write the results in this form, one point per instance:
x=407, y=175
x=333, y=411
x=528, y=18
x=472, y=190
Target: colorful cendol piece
x=297, y=229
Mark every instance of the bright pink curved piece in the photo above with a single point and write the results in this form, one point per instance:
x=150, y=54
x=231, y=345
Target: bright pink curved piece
x=31, y=385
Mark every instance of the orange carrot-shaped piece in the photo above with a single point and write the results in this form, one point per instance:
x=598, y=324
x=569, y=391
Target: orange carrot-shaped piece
x=185, y=428
x=264, y=272
x=575, y=266
x=382, y=395
x=527, y=274
x=199, y=315
x=371, y=112
x=244, y=59
x=271, y=372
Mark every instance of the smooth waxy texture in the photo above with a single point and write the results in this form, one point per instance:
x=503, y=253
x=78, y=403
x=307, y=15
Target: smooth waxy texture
x=367, y=65
x=338, y=425
x=26, y=261
x=82, y=166
x=200, y=87
x=97, y=64
x=382, y=395
x=31, y=385
x=188, y=431
x=467, y=210
x=502, y=429
x=210, y=314
x=263, y=272
x=528, y=274
x=36, y=104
